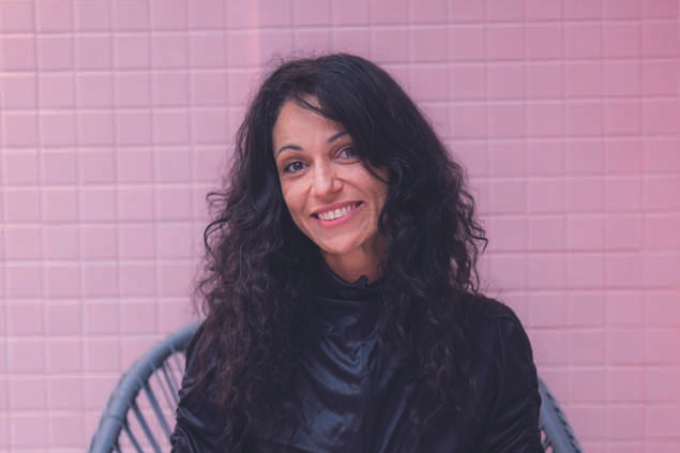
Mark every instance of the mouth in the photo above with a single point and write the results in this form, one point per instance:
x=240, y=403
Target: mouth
x=334, y=214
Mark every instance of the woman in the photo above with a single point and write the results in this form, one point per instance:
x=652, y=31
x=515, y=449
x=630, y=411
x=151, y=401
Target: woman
x=341, y=296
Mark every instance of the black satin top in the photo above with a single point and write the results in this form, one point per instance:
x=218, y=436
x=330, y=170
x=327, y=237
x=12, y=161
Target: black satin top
x=351, y=392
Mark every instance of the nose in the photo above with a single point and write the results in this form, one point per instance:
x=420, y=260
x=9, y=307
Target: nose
x=325, y=180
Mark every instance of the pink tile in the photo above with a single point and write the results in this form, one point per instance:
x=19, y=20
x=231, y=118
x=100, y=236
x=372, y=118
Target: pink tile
x=131, y=52
x=59, y=167
x=99, y=279
x=505, y=81
x=626, y=422
x=430, y=83
x=208, y=50
x=622, y=9
x=64, y=318
x=547, y=271
x=97, y=167
x=588, y=385
x=435, y=12
x=65, y=393
x=175, y=241
x=93, y=52
x=168, y=14
x=625, y=347
x=173, y=165
x=584, y=118
x=426, y=44
x=25, y=356
x=544, y=81
x=59, y=205
x=130, y=15
x=466, y=11
x=137, y=279
x=657, y=190
x=585, y=270
x=543, y=9
x=586, y=309
x=133, y=128
x=582, y=9
x=135, y=165
x=660, y=9
x=660, y=117
x=547, y=310
x=62, y=281
x=623, y=231
x=389, y=12
x=98, y=242
x=506, y=120
x=312, y=13
x=97, y=389
x=545, y=119
x=585, y=157
x=55, y=53
x=391, y=44
x=661, y=421
x=583, y=78
x=275, y=13
x=508, y=271
x=622, y=117
x=173, y=203
x=19, y=91
x=208, y=162
x=505, y=11
x=660, y=39
x=29, y=431
x=170, y=127
x=93, y=15
x=54, y=15
x=56, y=91
x=136, y=241
x=622, y=78
x=18, y=53
x=621, y=40
x=209, y=128
x=661, y=346
x=170, y=89
x=135, y=203
x=661, y=231
x=466, y=43
x=469, y=121
x=20, y=130
x=58, y=129
x=175, y=279
x=22, y=205
x=468, y=81
x=508, y=158
x=27, y=393
x=138, y=317
x=169, y=51
x=60, y=242
x=207, y=14
x=101, y=318
x=23, y=281
x=550, y=347
x=209, y=88
x=624, y=270
x=21, y=168
x=508, y=197
x=350, y=12
x=504, y=42
x=585, y=232
x=25, y=319
x=661, y=269
x=508, y=233
x=16, y=16
x=624, y=156
x=660, y=384
x=625, y=385
x=660, y=78
x=544, y=41
x=546, y=158
x=582, y=40
x=102, y=354
x=97, y=204
x=132, y=90
x=23, y=242
x=547, y=196
x=95, y=128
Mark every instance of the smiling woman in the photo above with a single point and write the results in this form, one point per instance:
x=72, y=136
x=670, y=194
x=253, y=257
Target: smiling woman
x=341, y=302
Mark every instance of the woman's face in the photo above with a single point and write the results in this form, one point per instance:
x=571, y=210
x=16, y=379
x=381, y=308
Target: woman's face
x=330, y=194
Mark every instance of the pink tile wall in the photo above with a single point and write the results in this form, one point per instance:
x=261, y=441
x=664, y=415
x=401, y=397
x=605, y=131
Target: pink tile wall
x=116, y=118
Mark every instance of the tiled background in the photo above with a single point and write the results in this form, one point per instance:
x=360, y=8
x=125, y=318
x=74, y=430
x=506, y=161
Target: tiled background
x=117, y=117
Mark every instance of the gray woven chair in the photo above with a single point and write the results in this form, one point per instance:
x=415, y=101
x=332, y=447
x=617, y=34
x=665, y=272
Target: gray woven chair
x=140, y=412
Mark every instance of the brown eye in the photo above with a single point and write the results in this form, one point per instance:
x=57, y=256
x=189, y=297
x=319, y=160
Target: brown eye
x=293, y=167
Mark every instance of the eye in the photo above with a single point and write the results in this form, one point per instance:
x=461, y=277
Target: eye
x=347, y=153
x=293, y=167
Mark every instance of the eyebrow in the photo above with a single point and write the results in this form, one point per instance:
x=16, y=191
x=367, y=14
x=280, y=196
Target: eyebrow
x=294, y=147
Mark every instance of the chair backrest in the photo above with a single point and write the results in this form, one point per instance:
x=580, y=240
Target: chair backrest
x=140, y=412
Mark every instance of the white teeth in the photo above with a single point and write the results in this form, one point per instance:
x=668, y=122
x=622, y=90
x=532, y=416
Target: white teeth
x=336, y=213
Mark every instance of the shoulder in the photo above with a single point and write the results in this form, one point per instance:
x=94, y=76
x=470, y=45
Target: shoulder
x=477, y=310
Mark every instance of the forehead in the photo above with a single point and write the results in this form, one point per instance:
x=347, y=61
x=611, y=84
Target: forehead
x=297, y=121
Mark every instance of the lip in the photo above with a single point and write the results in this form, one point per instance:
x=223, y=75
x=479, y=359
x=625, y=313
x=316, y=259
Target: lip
x=333, y=207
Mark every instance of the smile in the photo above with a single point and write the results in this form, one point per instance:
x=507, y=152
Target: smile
x=337, y=213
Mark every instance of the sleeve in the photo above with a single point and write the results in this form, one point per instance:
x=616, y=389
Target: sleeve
x=198, y=428
x=513, y=422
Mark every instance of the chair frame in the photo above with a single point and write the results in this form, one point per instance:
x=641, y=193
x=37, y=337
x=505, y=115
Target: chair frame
x=557, y=435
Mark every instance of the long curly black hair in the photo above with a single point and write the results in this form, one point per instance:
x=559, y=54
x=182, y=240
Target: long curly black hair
x=256, y=291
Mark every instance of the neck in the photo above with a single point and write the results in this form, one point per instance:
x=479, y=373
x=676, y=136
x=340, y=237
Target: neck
x=360, y=262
